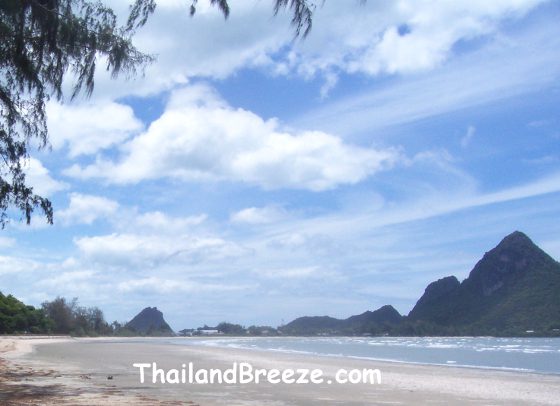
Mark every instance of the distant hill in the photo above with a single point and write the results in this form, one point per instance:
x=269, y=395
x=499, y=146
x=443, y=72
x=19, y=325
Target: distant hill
x=513, y=290
x=312, y=325
x=380, y=320
x=385, y=314
x=149, y=321
x=515, y=287
x=429, y=306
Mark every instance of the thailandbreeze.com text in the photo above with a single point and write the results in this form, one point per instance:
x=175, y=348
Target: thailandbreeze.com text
x=245, y=373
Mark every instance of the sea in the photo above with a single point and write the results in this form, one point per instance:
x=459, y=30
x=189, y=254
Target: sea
x=536, y=355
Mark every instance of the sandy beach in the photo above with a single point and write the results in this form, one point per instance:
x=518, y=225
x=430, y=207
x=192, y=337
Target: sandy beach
x=99, y=371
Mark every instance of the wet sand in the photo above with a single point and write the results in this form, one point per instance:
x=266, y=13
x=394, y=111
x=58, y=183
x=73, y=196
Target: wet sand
x=76, y=371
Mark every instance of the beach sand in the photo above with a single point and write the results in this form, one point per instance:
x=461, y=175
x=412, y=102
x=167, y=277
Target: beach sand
x=24, y=380
x=76, y=371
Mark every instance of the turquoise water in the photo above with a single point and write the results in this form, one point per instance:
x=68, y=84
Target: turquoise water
x=540, y=355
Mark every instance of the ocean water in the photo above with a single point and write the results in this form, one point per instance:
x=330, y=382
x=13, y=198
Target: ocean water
x=541, y=355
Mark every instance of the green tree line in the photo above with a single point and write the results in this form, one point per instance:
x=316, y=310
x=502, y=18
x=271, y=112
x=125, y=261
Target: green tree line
x=59, y=316
x=16, y=317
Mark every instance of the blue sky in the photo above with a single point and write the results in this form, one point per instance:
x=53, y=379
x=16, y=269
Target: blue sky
x=252, y=178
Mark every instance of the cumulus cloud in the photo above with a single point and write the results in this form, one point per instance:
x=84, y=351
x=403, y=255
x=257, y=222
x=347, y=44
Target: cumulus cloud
x=203, y=46
x=40, y=179
x=397, y=37
x=86, y=129
x=201, y=138
x=147, y=251
x=156, y=220
x=85, y=209
x=14, y=265
x=259, y=215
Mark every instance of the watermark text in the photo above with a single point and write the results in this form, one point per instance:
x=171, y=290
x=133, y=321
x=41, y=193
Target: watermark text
x=245, y=373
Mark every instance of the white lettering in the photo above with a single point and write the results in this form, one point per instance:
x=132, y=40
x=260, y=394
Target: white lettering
x=141, y=366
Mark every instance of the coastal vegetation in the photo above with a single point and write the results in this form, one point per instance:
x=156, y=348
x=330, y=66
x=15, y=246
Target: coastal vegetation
x=68, y=317
x=59, y=316
x=16, y=317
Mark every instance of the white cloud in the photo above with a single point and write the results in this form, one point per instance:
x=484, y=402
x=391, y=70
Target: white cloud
x=521, y=63
x=39, y=178
x=85, y=209
x=423, y=33
x=147, y=251
x=292, y=273
x=200, y=138
x=89, y=128
x=401, y=37
x=157, y=220
x=291, y=240
x=14, y=266
x=367, y=39
x=203, y=46
x=68, y=278
x=434, y=204
x=166, y=286
x=467, y=138
x=545, y=185
x=7, y=242
x=259, y=215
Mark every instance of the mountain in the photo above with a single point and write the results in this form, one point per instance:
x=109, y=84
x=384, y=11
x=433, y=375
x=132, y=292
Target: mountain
x=149, y=321
x=515, y=287
x=429, y=306
x=385, y=314
x=378, y=321
x=311, y=325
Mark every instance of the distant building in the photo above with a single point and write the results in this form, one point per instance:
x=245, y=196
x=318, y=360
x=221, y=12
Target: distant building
x=210, y=332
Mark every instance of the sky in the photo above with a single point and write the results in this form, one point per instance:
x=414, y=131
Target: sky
x=251, y=177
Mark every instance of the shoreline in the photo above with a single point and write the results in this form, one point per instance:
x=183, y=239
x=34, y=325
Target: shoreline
x=25, y=381
x=364, y=358
x=75, y=371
